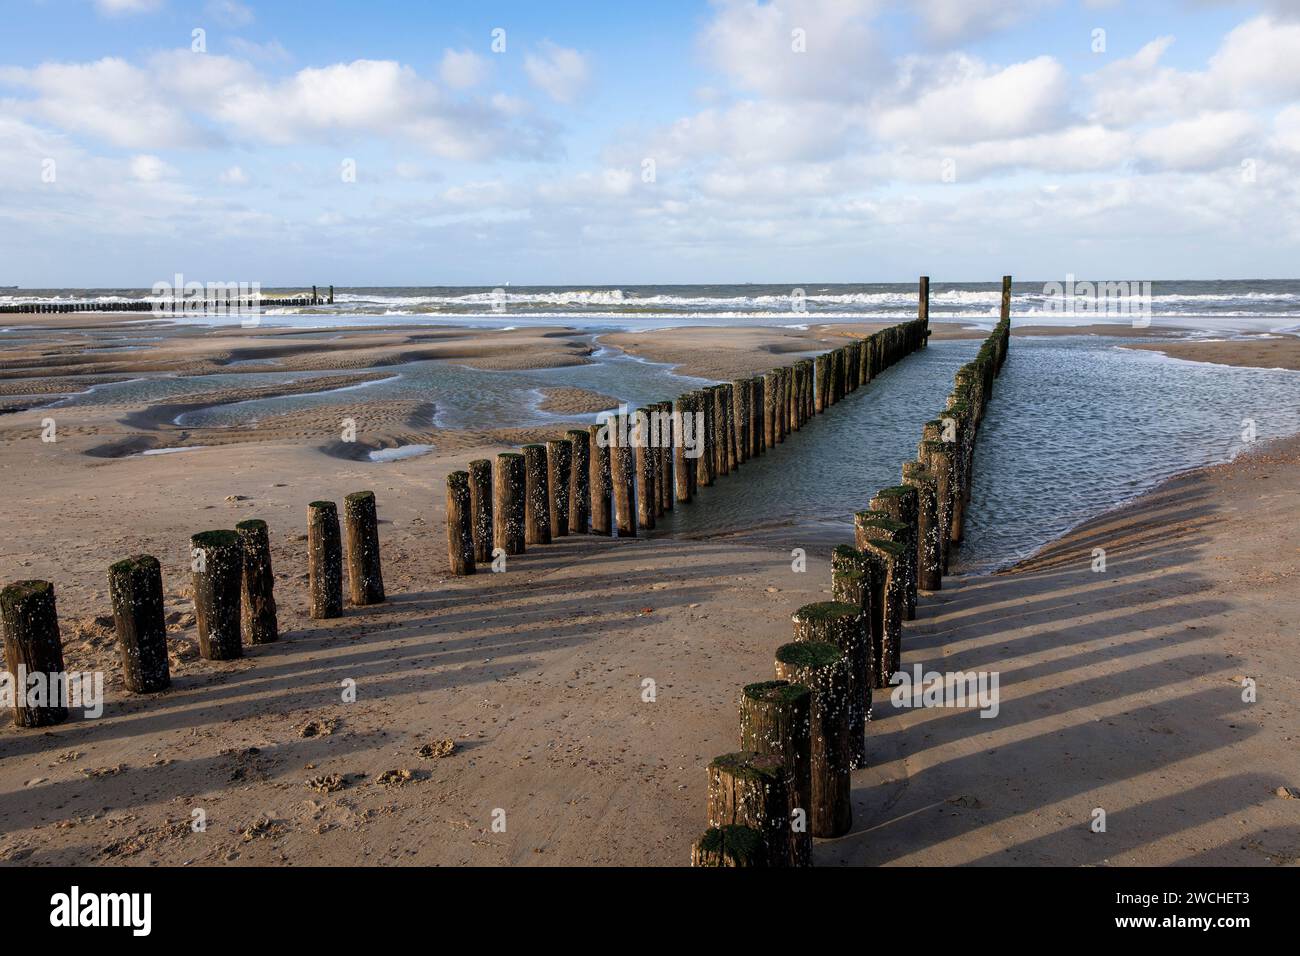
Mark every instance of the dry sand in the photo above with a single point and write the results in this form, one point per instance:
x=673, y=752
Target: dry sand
x=1119, y=690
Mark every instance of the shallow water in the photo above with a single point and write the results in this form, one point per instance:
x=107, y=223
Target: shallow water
x=1076, y=427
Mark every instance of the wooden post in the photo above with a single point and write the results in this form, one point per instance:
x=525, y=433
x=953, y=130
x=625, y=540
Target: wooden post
x=938, y=458
x=645, y=471
x=732, y=437
x=30, y=623
x=739, y=419
x=559, y=469
x=820, y=364
x=480, y=509
x=843, y=624
x=929, y=559
x=622, y=471
x=757, y=441
x=361, y=549
x=666, y=438
x=217, y=561
x=509, y=494
x=599, y=480
x=258, y=614
x=899, y=502
x=888, y=600
x=775, y=719
x=537, y=510
x=460, y=531
x=749, y=789
x=136, y=591
x=771, y=431
x=682, y=466
x=732, y=846
x=823, y=669
x=703, y=404
x=579, y=481
x=721, y=424
x=923, y=304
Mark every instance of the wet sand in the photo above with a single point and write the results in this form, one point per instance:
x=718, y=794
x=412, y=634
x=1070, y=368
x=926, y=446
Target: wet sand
x=1118, y=690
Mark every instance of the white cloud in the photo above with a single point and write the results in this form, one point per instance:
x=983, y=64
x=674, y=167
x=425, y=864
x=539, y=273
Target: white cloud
x=234, y=176
x=754, y=45
x=150, y=169
x=975, y=102
x=109, y=98
x=113, y=8
x=461, y=69
x=1208, y=141
x=558, y=71
x=950, y=20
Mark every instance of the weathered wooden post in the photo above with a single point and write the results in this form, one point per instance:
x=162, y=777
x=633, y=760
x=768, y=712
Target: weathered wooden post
x=600, y=481
x=217, y=563
x=135, y=589
x=740, y=412
x=509, y=497
x=460, y=530
x=721, y=425
x=537, y=509
x=929, y=558
x=899, y=502
x=646, y=496
x=843, y=625
x=622, y=475
x=30, y=623
x=703, y=404
x=775, y=719
x=923, y=303
x=258, y=614
x=888, y=599
x=683, y=468
x=579, y=481
x=824, y=670
x=665, y=439
x=731, y=846
x=820, y=366
x=749, y=789
x=771, y=431
x=559, y=469
x=480, y=509
x=729, y=406
x=361, y=539
x=757, y=441
x=938, y=458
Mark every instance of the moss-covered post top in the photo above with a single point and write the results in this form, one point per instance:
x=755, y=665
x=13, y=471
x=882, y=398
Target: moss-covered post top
x=824, y=612
x=20, y=592
x=878, y=519
x=215, y=539
x=358, y=496
x=137, y=562
x=809, y=654
x=510, y=455
x=776, y=692
x=321, y=506
x=460, y=479
x=748, y=765
x=251, y=524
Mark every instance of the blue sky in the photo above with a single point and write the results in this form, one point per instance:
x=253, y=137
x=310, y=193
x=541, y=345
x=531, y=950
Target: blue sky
x=730, y=141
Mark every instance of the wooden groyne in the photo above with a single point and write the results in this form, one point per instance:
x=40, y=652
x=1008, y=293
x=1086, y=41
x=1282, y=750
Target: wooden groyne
x=612, y=479
x=846, y=647
x=180, y=305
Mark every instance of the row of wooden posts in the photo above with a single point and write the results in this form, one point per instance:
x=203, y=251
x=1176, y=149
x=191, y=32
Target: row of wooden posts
x=233, y=592
x=804, y=732
x=178, y=305
x=620, y=476
x=569, y=485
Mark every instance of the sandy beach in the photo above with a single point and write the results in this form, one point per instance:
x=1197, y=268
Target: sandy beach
x=1121, y=690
